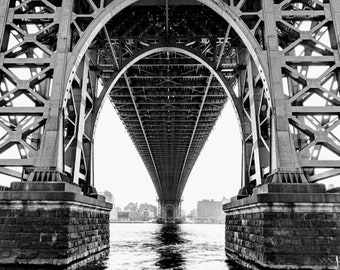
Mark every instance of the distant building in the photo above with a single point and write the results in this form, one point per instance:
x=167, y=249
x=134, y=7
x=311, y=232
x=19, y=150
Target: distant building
x=210, y=211
x=131, y=207
x=148, y=207
x=108, y=196
x=110, y=199
x=135, y=216
x=133, y=213
x=147, y=215
x=123, y=216
x=193, y=214
x=128, y=216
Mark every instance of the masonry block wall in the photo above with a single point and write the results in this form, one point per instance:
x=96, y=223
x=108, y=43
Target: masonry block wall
x=290, y=233
x=51, y=228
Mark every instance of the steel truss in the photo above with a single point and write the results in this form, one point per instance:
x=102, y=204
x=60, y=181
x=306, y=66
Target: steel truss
x=168, y=70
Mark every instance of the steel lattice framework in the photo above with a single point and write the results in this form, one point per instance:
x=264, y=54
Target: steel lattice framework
x=169, y=67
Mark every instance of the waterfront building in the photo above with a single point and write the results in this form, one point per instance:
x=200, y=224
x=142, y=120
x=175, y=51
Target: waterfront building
x=148, y=207
x=123, y=216
x=209, y=211
x=193, y=214
x=131, y=207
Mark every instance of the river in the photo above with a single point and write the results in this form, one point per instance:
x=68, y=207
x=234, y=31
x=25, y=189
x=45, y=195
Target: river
x=145, y=246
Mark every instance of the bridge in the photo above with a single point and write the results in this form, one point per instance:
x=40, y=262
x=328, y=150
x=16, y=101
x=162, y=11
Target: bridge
x=169, y=67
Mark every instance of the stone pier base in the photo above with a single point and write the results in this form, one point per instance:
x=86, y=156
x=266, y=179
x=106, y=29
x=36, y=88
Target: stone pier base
x=285, y=226
x=51, y=224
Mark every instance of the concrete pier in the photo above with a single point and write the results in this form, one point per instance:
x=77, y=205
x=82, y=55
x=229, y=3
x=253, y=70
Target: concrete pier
x=51, y=224
x=285, y=226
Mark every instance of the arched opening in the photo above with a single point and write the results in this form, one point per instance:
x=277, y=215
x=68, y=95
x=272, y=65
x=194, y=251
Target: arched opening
x=170, y=215
x=134, y=50
x=116, y=85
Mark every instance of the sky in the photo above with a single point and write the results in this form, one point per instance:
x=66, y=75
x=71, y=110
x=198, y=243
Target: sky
x=119, y=168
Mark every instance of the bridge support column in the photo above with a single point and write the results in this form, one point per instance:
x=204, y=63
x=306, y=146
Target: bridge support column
x=285, y=226
x=170, y=212
x=45, y=224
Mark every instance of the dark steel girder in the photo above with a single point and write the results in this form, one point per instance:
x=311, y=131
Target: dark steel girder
x=183, y=84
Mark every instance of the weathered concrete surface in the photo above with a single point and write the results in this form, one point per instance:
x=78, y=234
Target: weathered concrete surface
x=51, y=224
x=285, y=226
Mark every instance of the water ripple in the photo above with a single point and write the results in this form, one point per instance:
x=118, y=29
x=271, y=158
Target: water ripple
x=175, y=247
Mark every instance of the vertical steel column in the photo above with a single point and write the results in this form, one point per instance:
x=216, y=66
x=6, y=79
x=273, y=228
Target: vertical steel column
x=283, y=156
x=245, y=121
x=80, y=101
x=254, y=122
x=4, y=7
x=51, y=156
x=335, y=13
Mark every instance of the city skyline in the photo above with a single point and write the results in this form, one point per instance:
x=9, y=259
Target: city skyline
x=206, y=211
x=139, y=204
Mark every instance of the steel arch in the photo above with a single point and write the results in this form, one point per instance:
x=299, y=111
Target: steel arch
x=218, y=6
x=179, y=49
x=174, y=48
x=257, y=54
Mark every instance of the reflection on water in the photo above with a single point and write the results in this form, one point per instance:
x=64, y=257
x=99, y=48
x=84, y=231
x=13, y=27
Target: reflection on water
x=170, y=244
x=156, y=246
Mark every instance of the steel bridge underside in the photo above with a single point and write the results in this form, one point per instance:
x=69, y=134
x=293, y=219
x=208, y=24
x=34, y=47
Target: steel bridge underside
x=169, y=114
x=168, y=67
x=167, y=101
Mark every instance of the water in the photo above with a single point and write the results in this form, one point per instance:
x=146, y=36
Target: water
x=156, y=246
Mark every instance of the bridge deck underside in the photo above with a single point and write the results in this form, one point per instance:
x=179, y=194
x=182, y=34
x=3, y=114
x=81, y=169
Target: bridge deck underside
x=167, y=101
